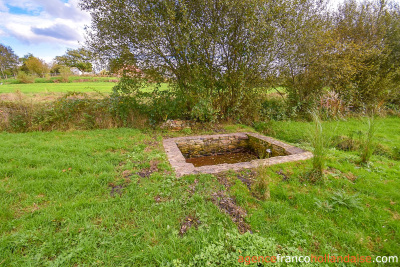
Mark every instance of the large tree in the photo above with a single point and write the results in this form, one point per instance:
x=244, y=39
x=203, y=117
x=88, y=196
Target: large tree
x=212, y=51
x=362, y=60
x=79, y=58
x=8, y=60
x=36, y=66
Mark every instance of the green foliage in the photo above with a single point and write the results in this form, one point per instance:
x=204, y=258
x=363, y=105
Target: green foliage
x=65, y=72
x=57, y=205
x=301, y=72
x=23, y=77
x=217, y=57
x=36, y=66
x=206, y=50
x=73, y=111
x=260, y=187
x=339, y=199
x=358, y=63
x=274, y=109
x=368, y=143
x=204, y=111
x=319, y=143
x=79, y=58
x=235, y=249
x=8, y=61
x=396, y=153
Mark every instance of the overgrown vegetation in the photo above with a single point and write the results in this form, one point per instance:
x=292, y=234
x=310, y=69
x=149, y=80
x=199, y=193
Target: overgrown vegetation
x=219, y=57
x=71, y=111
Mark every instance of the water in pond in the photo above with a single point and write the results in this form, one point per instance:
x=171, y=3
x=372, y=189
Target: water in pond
x=229, y=158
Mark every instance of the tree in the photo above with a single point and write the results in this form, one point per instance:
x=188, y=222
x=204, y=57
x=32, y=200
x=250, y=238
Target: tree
x=36, y=66
x=363, y=57
x=301, y=40
x=79, y=58
x=214, y=52
x=8, y=60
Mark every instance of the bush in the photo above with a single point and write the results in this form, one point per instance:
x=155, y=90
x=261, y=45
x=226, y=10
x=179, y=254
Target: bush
x=274, y=109
x=204, y=111
x=23, y=77
x=65, y=72
x=71, y=111
x=16, y=116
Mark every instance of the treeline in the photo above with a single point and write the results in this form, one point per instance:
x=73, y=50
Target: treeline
x=220, y=56
x=28, y=67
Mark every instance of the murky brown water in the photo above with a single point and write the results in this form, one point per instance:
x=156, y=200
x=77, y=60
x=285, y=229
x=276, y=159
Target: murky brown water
x=229, y=158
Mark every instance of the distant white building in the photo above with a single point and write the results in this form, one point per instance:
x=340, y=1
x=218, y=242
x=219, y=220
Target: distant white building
x=76, y=71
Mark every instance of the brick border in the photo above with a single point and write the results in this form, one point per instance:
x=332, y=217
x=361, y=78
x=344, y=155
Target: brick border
x=178, y=161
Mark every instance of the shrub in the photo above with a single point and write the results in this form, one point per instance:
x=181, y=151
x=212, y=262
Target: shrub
x=17, y=116
x=274, y=109
x=23, y=77
x=65, y=72
x=204, y=111
x=71, y=111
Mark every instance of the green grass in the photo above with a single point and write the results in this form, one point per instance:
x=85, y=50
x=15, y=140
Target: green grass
x=57, y=208
x=292, y=215
x=53, y=79
x=35, y=88
x=39, y=88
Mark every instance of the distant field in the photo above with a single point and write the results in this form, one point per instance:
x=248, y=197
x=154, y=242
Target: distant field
x=45, y=88
x=34, y=88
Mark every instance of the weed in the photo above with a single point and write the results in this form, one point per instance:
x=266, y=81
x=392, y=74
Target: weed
x=237, y=250
x=368, y=142
x=260, y=187
x=318, y=141
x=324, y=205
x=341, y=198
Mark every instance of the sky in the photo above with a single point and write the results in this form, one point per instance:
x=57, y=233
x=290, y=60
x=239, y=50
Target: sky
x=45, y=28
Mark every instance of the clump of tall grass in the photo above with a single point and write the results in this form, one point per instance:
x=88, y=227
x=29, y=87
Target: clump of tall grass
x=319, y=141
x=368, y=143
x=260, y=187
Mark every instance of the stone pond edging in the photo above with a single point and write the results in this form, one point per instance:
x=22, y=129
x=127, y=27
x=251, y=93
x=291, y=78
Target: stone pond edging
x=226, y=142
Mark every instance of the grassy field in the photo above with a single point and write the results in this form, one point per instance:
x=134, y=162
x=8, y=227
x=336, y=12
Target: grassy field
x=110, y=198
x=37, y=88
x=76, y=84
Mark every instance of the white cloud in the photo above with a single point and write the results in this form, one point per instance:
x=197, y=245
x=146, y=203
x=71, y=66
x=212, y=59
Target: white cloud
x=53, y=22
x=59, y=9
x=3, y=6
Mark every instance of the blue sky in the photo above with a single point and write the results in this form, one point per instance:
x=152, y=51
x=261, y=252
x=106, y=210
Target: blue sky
x=45, y=28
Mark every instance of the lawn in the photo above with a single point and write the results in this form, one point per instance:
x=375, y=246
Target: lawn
x=49, y=91
x=36, y=88
x=110, y=198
